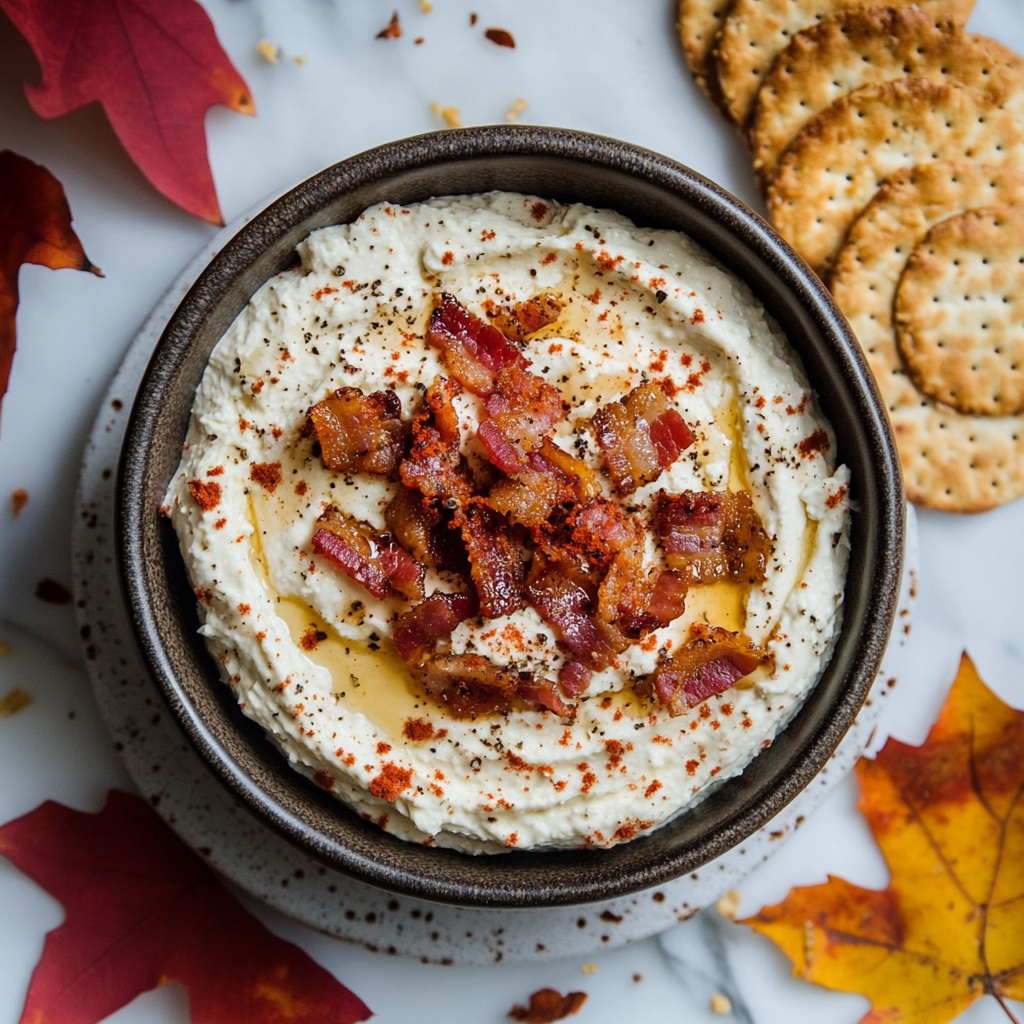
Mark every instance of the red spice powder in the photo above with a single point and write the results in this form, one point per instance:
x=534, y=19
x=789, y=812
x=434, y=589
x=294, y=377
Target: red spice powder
x=539, y=210
x=589, y=778
x=692, y=766
x=326, y=290
x=267, y=475
x=311, y=638
x=834, y=499
x=393, y=780
x=698, y=317
x=652, y=789
x=215, y=471
x=550, y=258
x=206, y=495
x=324, y=781
x=383, y=748
x=301, y=487
x=244, y=609
x=448, y=259
x=203, y=595
x=817, y=443
x=629, y=829
x=220, y=524
x=417, y=730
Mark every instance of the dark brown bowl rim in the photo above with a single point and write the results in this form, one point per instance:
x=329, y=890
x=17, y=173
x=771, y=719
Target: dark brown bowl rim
x=738, y=237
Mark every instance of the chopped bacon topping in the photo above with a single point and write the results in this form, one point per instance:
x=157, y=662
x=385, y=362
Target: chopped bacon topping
x=640, y=436
x=434, y=465
x=474, y=351
x=359, y=433
x=425, y=531
x=419, y=629
x=526, y=318
x=524, y=406
x=712, y=536
x=711, y=661
x=496, y=562
x=574, y=678
x=374, y=562
x=545, y=694
x=469, y=684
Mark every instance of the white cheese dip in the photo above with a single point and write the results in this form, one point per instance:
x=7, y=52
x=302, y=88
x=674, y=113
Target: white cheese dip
x=306, y=649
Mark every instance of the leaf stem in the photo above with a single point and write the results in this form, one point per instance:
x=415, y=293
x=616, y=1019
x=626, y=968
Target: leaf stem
x=1006, y=1009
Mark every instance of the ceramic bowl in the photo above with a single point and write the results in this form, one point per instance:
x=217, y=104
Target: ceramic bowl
x=571, y=167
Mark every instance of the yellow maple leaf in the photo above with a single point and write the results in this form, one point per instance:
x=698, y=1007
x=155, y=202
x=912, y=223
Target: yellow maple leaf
x=949, y=818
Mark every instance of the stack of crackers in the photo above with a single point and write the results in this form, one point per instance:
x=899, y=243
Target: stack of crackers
x=889, y=143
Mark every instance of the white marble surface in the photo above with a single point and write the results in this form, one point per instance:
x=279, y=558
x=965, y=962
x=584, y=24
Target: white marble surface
x=592, y=64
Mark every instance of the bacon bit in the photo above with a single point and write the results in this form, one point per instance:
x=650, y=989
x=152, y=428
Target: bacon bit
x=817, y=443
x=359, y=433
x=468, y=685
x=574, y=679
x=544, y=694
x=833, y=500
x=267, y=475
x=639, y=436
x=392, y=781
x=526, y=318
x=205, y=495
x=712, y=536
x=434, y=465
x=311, y=638
x=19, y=499
x=524, y=407
x=418, y=630
x=418, y=730
x=496, y=563
x=393, y=29
x=373, y=562
x=500, y=37
x=711, y=661
x=473, y=351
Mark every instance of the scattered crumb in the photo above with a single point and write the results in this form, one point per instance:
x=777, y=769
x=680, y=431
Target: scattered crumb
x=590, y=968
x=19, y=499
x=451, y=116
x=638, y=978
x=729, y=905
x=52, y=592
x=500, y=37
x=426, y=6
x=16, y=700
x=548, y=1005
x=516, y=109
x=267, y=50
x=5, y=648
x=473, y=19
x=720, y=1004
x=300, y=58
x=419, y=40
x=393, y=30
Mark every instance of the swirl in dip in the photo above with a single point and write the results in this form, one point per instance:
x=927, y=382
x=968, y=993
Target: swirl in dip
x=513, y=524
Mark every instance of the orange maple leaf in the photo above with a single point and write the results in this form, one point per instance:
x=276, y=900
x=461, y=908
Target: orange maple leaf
x=949, y=818
x=35, y=227
x=155, y=65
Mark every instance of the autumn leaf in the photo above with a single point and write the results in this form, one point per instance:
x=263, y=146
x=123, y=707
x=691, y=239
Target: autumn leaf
x=949, y=818
x=155, y=65
x=143, y=910
x=35, y=227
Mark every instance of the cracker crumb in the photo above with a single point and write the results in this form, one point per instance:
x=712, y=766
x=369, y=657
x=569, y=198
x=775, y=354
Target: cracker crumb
x=516, y=109
x=589, y=968
x=19, y=499
x=268, y=51
x=720, y=1004
x=451, y=116
x=16, y=700
x=299, y=58
x=729, y=905
x=426, y=6
x=393, y=29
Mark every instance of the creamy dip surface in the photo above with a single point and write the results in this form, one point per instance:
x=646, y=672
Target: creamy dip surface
x=307, y=650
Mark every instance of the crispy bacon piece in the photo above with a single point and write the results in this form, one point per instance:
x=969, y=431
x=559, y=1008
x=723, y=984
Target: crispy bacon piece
x=712, y=536
x=524, y=406
x=574, y=678
x=373, y=561
x=359, y=433
x=474, y=351
x=586, y=482
x=434, y=465
x=419, y=629
x=526, y=318
x=501, y=450
x=496, y=562
x=596, y=533
x=639, y=436
x=424, y=530
x=711, y=661
x=545, y=694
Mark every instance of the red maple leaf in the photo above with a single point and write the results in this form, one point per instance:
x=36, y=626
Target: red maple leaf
x=155, y=65
x=143, y=910
x=35, y=227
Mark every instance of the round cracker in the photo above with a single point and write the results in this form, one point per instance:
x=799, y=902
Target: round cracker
x=700, y=22
x=860, y=47
x=959, y=312
x=834, y=166
x=757, y=31
x=952, y=462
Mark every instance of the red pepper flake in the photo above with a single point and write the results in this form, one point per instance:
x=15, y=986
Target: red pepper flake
x=698, y=317
x=550, y=258
x=662, y=739
x=206, y=495
x=692, y=766
x=448, y=259
x=220, y=524
x=348, y=759
x=324, y=781
x=19, y=499
x=417, y=730
x=817, y=443
x=327, y=289
x=267, y=475
x=626, y=831
x=392, y=781
x=52, y=592
x=244, y=609
x=500, y=37
x=834, y=499
x=393, y=29
x=277, y=432
x=652, y=789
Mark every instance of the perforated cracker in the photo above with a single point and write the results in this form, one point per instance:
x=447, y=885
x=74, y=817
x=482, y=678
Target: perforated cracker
x=755, y=32
x=860, y=47
x=952, y=462
x=834, y=166
x=700, y=22
x=959, y=312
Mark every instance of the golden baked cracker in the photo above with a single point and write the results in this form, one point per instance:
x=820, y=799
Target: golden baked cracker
x=952, y=462
x=834, y=166
x=959, y=312
x=699, y=22
x=859, y=47
x=755, y=32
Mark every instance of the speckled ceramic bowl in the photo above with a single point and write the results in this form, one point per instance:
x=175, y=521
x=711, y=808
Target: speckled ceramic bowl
x=571, y=167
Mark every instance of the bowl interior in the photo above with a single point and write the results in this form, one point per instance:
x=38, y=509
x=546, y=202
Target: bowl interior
x=571, y=167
